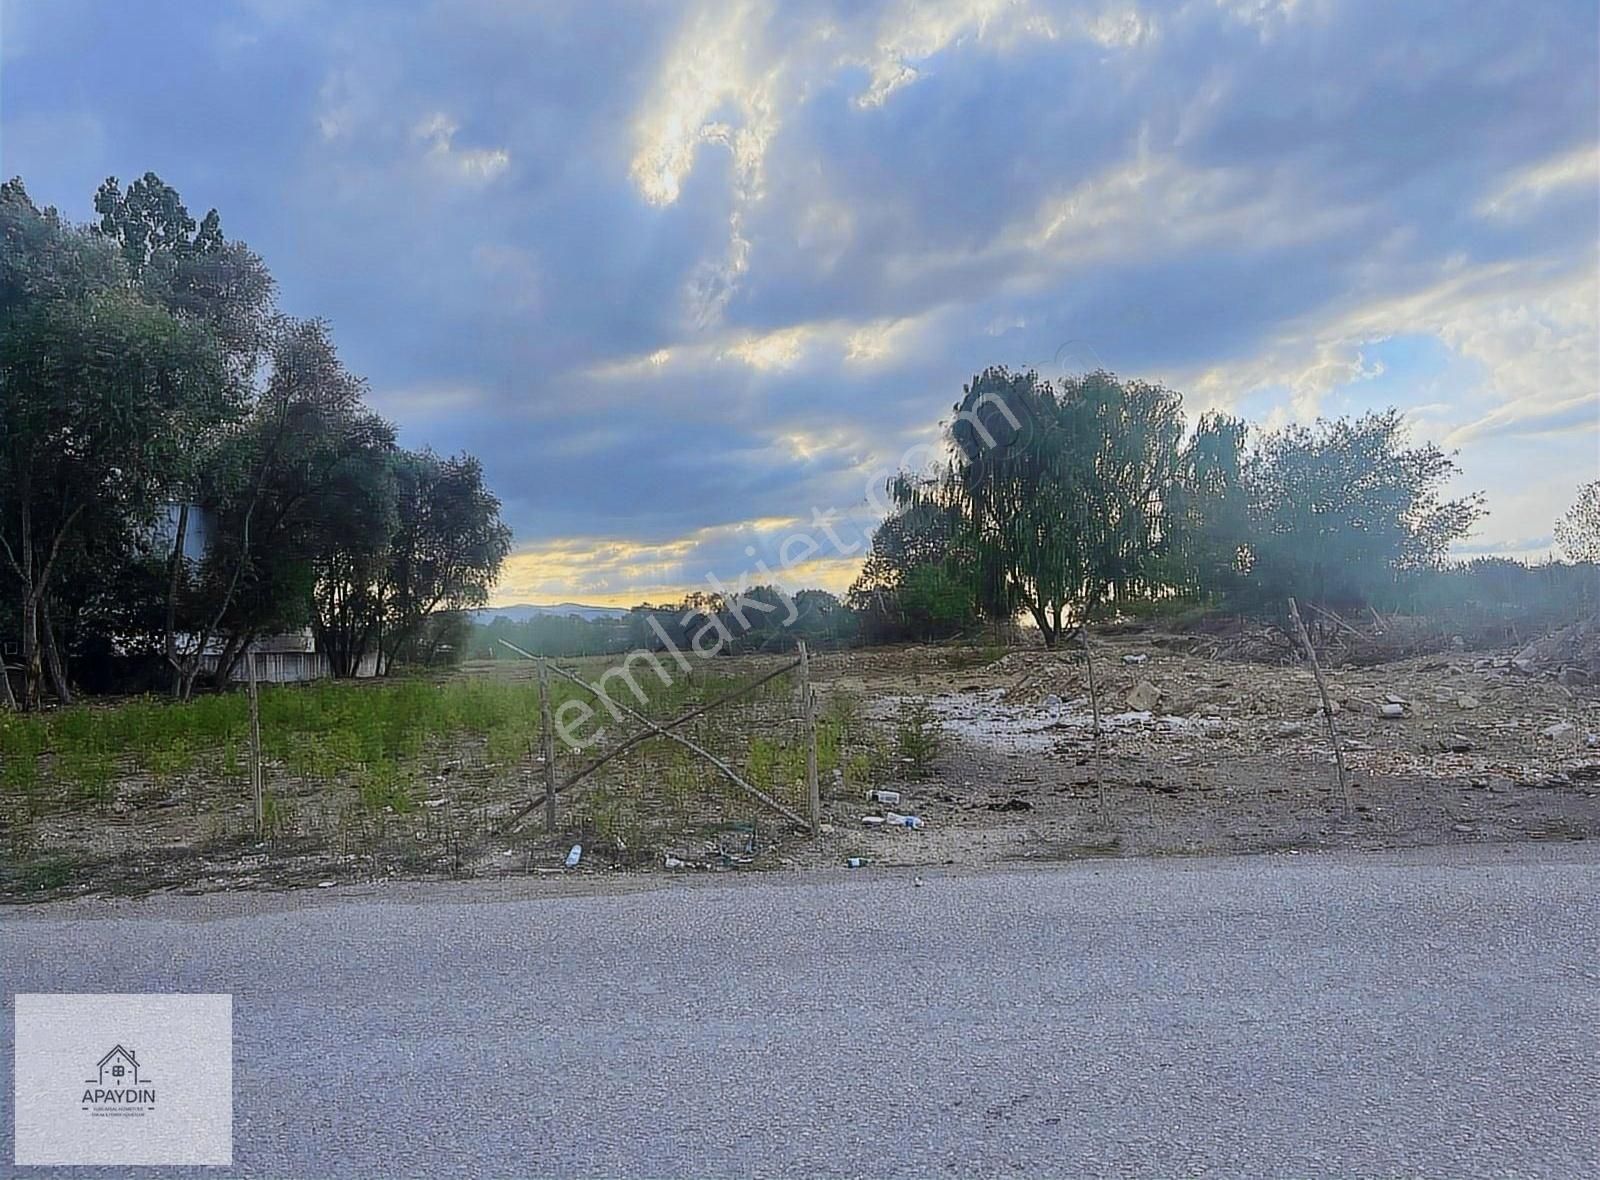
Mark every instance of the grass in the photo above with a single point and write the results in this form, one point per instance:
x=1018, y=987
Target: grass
x=420, y=772
x=318, y=732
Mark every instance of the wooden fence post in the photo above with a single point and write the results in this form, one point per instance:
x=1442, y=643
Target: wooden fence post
x=256, y=786
x=1327, y=705
x=1094, y=704
x=808, y=711
x=547, y=741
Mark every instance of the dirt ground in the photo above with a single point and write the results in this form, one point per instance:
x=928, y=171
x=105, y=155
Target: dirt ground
x=1195, y=755
x=1215, y=756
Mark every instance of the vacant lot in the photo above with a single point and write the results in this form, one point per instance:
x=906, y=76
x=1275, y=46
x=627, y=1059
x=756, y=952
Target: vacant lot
x=996, y=752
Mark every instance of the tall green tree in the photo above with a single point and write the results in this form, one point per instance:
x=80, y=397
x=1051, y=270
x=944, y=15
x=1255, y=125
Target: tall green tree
x=97, y=387
x=447, y=548
x=274, y=491
x=221, y=288
x=1062, y=490
x=1340, y=509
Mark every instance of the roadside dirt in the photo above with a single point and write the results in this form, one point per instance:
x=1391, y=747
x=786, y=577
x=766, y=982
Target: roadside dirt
x=1195, y=755
x=1224, y=757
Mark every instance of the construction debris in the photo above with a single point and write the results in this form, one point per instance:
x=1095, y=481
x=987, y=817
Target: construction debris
x=1571, y=654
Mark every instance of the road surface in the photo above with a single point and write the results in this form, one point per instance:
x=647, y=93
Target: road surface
x=1433, y=1013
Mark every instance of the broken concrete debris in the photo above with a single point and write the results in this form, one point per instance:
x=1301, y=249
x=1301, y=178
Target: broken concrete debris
x=1144, y=697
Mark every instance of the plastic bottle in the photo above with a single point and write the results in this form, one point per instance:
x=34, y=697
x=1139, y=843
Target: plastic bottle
x=574, y=856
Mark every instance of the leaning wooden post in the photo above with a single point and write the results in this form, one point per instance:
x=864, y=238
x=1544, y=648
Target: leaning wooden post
x=1094, y=704
x=547, y=742
x=1327, y=705
x=808, y=711
x=255, y=745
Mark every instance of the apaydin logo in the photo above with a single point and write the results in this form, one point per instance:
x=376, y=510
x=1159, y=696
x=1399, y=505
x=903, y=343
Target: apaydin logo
x=119, y=1087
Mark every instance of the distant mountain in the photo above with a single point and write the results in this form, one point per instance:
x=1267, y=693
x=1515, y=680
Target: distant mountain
x=524, y=611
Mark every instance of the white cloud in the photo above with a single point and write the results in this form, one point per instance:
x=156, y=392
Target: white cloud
x=730, y=78
x=470, y=165
x=1530, y=330
x=1528, y=186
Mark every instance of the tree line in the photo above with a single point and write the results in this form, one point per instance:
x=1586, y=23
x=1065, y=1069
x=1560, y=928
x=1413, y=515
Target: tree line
x=184, y=469
x=1091, y=497
x=1072, y=500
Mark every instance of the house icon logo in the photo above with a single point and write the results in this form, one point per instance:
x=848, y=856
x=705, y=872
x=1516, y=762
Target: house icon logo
x=117, y=1068
x=119, y=1086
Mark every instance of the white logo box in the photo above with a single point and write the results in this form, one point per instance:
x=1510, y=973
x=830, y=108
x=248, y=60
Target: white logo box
x=123, y=1079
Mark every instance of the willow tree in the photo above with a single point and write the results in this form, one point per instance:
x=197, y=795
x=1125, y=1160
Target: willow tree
x=1061, y=491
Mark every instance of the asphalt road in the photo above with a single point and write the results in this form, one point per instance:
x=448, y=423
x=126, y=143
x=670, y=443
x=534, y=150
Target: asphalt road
x=1434, y=1013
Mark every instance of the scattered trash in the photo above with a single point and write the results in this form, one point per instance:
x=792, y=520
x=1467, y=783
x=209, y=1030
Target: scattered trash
x=1135, y=659
x=872, y=821
x=574, y=856
x=1456, y=744
x=1051, y=701
x=1391, y=709
x=325, y=884
x=1290, y=729
x=884, y=796
x=432, y=803
x=895, y=820
x=1560, y=730
x=855, y=862
x=1392, y=699
x=674, y=862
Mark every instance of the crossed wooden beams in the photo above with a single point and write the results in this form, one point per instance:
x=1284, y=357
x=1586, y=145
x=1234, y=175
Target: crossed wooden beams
x=651, y=730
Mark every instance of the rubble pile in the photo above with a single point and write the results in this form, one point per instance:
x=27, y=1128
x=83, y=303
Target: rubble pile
x=1571, y=655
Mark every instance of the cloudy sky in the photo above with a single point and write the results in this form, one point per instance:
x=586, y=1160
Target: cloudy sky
x=684, y=275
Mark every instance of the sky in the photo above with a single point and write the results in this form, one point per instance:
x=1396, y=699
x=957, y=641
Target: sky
x=692, y=278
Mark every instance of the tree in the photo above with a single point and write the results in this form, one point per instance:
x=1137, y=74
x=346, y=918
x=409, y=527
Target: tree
x=266, y=488
x=225, y=290
x=447, y=548
x=1578, y=532
x=1208, y=512
x=1062, y=491
x=1339, y=509
x=914, y=584
x=96, y=384
x=355, y=523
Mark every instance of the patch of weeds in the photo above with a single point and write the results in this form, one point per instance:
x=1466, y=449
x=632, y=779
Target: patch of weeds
x=43, y=876
x=382, y=786
x=277, y=815
x=916, y=738
x=171, y=760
